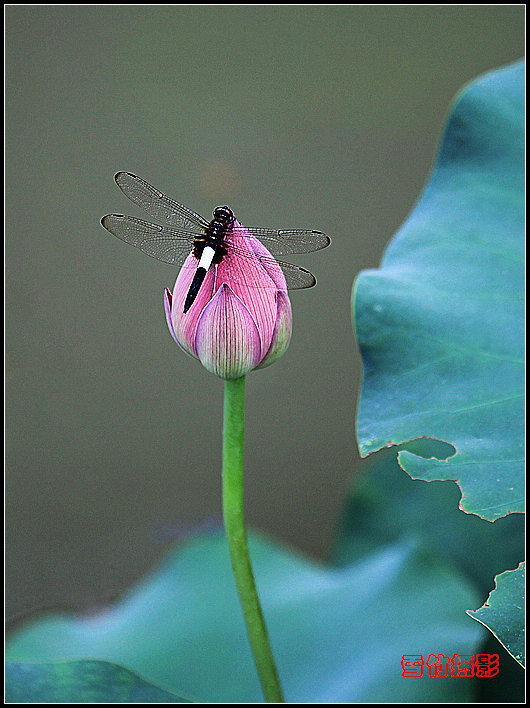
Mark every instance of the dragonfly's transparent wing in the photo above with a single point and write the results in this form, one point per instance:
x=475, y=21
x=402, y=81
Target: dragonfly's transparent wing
x=161, y=242
x=295, y=277
x=286, y=241
x=234, y=270
x=172, y=245
x=157, y=205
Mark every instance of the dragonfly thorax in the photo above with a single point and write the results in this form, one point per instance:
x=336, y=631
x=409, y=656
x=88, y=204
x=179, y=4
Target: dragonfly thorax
x=215, y=233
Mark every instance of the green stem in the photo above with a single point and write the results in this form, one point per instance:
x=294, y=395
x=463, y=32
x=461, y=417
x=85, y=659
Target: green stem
x=233, y=441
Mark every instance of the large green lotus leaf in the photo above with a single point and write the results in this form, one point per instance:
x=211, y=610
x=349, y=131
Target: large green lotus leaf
x=503, y=612
x=338, y=635
x=79, y=682
x=384, y=504
x=440, y=324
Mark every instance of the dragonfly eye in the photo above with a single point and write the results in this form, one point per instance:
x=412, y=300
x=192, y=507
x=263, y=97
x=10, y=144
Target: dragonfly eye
x=223, y=213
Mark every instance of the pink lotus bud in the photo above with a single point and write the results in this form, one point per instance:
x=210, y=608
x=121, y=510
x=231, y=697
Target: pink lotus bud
x=241, y=318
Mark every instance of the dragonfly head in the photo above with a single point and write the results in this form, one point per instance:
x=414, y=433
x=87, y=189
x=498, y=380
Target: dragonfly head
x=223, y=213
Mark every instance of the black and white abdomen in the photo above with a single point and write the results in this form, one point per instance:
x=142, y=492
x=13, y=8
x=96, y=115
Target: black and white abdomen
x=209, y=249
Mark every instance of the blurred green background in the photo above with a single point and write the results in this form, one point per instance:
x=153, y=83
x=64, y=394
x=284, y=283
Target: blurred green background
x=325, y=117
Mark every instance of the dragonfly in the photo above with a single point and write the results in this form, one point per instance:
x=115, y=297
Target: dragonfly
x=186, y=233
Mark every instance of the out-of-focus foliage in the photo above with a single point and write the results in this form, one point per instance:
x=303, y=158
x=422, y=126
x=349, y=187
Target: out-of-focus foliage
x=338, y=635
x=385, y=504
x=79, y=682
